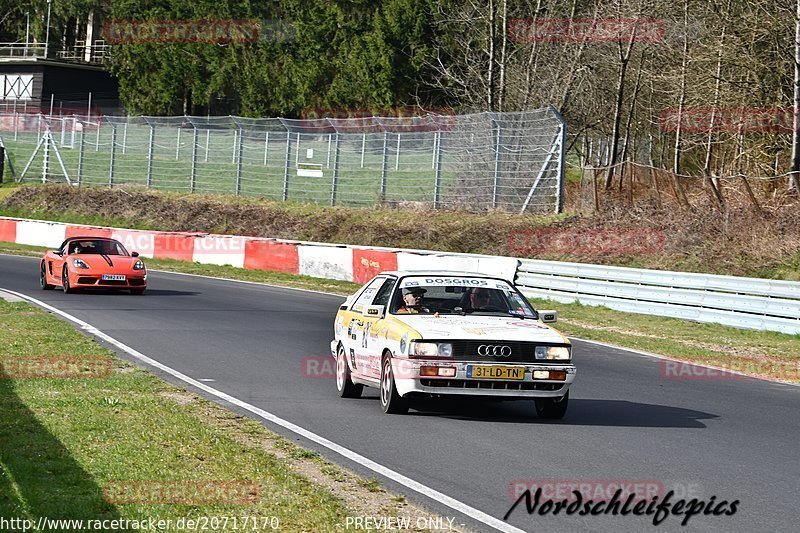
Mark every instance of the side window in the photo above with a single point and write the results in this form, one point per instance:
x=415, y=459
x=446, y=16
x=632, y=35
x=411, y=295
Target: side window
x=382, y=298
x=367, y=295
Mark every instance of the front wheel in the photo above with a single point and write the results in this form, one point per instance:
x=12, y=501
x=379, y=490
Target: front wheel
x=552, y=408
x=65, y=281
x=43, y=279
x=344, y=384
x=391, y=402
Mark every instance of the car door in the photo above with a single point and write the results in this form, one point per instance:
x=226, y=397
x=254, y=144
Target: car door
x=56, y=263
x=355, y=322
x=373, y=332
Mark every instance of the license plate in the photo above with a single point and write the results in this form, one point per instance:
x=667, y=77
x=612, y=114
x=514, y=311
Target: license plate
x=113, y=277
x=495, y=372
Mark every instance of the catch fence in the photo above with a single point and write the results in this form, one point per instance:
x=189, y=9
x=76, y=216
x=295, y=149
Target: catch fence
x=509, y=161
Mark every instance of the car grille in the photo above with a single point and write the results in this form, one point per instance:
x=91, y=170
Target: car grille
x=521, y=352
x=490, y=384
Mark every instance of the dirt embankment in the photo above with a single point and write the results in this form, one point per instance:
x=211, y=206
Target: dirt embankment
x=736, y=242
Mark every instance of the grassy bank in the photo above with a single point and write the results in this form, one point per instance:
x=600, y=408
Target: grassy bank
x=113, y=442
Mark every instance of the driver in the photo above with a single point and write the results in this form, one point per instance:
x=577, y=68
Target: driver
x=413, y=301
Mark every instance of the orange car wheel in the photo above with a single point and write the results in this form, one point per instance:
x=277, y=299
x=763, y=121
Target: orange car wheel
x=43, y=279
x=65, y=281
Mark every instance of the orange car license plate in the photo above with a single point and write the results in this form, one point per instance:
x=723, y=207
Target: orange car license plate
x=495, y=372
x=113, y=277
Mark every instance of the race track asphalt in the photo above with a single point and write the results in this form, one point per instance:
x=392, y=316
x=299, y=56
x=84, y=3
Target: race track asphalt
x=732, y=439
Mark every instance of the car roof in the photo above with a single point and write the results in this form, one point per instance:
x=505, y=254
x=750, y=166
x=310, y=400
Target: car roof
x=403, y=273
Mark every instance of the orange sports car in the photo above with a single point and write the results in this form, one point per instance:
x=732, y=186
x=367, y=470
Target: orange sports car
x=92, y=262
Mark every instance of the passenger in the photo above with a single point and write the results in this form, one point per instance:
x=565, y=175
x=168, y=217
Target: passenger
x=479, y=298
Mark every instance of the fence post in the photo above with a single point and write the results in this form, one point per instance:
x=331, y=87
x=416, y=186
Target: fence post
x=363, y=147
x=397, y=160
x=97, y=138
x=266, y=147
x=113, y=154
x=124, y=138
x=335, y=169
x=328, y=158
x=433, y=150
x=383, y=165
x=286, y=165
x=178, y=145
x=150, y=145
x=437, y=185
x=496, y=180
x=233, y=148
x=193, y=178
x=239, y=150
x=562, y=156
x=80, y=159
x=208, y=142
x=46, y=155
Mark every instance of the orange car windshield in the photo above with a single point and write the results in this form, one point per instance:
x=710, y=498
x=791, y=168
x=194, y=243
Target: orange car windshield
x=97, y=247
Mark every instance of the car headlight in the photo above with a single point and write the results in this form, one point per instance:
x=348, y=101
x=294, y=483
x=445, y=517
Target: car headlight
x=138, y=265
x=78, y=263
x=561, y=353
x=431, y=349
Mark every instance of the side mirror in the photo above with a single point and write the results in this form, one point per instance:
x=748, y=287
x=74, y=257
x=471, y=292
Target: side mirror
x=59, y=253
x=134, y=254
x=548, y=316
x=375, y=311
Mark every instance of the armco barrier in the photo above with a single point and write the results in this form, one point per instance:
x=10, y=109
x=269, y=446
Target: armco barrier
x=750, y=303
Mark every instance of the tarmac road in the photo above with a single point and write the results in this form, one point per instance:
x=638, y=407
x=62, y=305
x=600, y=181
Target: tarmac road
x=732, y=439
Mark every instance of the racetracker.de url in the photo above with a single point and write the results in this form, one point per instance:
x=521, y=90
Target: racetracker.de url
x=200, y=523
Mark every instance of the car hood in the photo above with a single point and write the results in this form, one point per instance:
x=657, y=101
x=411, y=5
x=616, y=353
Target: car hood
x=481, y=327
x=106, y=263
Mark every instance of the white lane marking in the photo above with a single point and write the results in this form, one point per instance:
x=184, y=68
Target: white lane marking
x=614, y=346
x=7, y=296
x=433, y=494
x=207, y=380
x=668, y=358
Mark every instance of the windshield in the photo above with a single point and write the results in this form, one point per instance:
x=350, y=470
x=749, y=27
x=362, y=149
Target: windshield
x=459, y=295
x=96, y=246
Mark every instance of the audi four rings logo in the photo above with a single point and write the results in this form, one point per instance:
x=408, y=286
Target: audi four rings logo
x=494, y=350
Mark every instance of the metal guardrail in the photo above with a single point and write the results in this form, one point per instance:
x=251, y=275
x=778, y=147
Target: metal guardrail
x=750, y=303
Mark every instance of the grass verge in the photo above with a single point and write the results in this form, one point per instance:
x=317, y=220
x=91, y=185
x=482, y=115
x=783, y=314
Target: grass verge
x=110, y=441
x=758, y=353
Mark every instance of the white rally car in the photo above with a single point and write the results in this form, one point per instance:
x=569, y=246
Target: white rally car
x=429, y=333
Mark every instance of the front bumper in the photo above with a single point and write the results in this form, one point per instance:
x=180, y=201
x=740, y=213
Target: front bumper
x=409, y=382
x=81, y=281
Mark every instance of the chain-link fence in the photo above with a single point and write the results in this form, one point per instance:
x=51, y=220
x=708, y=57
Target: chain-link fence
x=511, y=161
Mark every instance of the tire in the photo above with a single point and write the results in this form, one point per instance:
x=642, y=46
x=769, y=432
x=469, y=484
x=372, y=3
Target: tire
x=137, y=292
x=65, y=281
x=552, y=408
x=344, y=385
x=43, y=279
x=391, y=402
